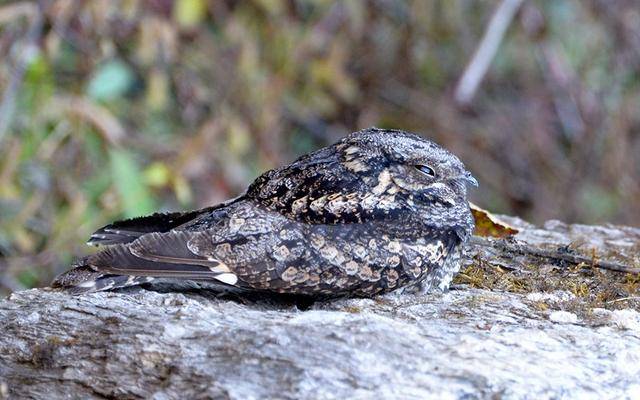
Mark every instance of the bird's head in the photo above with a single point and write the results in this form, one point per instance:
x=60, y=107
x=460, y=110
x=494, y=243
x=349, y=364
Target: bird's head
x=392, y=161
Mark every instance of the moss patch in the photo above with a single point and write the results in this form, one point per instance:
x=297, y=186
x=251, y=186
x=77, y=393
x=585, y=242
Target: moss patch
x=592, y=287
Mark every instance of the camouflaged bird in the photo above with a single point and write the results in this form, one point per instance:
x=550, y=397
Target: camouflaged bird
x=378, y=211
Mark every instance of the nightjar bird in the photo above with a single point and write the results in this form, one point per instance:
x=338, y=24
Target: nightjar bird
x=377, y=211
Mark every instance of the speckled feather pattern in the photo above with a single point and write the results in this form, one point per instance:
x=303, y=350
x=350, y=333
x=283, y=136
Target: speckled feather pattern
x=355, y=218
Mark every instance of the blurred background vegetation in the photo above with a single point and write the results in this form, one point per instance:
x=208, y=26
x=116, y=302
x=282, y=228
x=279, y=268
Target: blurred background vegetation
x=113, y=109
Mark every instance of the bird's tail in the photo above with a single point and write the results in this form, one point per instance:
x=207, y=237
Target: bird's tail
x=83, y=279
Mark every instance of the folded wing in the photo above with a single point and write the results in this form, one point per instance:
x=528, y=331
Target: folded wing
x=158, y=254
x=126, y=231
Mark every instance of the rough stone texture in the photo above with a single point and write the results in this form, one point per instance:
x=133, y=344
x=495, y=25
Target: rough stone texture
x=467, y=343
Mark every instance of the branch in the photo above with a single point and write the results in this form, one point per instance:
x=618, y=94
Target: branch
x=477, y=68
x=561, y=254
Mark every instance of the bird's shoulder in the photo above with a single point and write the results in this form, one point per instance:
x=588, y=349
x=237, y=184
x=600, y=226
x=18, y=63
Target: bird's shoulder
x=324, y=188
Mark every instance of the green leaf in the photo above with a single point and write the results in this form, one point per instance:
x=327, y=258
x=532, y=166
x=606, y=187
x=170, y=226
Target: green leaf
x=189, y=13
x=28, y=278
x=129, y=182
x=110, y=81
x=157, y=175
x=39, y=83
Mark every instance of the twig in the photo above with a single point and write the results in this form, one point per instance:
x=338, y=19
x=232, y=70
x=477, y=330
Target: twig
x=99, y=116
x=623, y=299
x=477, y=68
x=524, y=249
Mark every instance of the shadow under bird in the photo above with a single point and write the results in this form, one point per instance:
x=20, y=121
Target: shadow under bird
x=377, y=211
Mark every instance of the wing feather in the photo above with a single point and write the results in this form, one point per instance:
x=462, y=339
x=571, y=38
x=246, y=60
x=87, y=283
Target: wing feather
x=160, y=255
x=126, y=231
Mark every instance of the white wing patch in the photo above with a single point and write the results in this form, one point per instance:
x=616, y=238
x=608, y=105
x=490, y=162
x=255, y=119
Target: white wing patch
x=228, y=278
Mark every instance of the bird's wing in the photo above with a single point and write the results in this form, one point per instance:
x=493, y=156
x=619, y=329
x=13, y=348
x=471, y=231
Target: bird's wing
x=126, y=231
x=319, y=188
x=168, y=254
x=218, y=245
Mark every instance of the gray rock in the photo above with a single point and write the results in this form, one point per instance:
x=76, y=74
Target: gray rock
x=467, y=343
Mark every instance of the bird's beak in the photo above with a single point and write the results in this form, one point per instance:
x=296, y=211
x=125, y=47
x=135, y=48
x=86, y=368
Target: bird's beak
x=469, y=178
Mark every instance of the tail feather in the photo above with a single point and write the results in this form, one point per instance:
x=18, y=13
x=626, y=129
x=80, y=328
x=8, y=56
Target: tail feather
x=108, y=282
x=83, y=279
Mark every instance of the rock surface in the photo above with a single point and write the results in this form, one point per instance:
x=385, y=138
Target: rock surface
x=471, y=342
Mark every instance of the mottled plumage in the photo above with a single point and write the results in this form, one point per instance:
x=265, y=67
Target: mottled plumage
x=377, y=211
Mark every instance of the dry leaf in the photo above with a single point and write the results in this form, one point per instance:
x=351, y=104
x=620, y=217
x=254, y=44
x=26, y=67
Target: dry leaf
x=488, y=224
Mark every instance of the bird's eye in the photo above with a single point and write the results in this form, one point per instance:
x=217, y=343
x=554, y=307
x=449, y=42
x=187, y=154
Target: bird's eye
x=427, y=170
